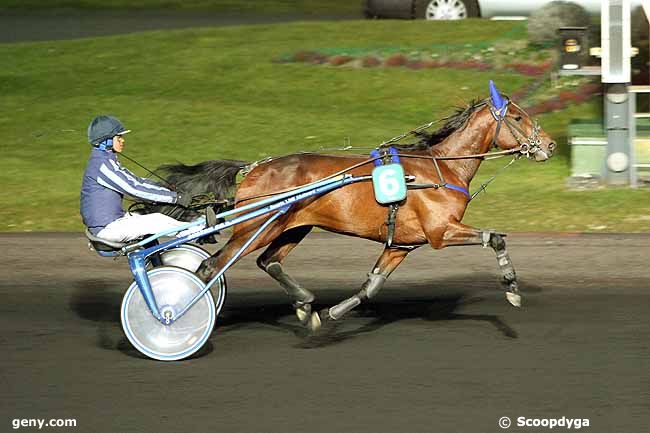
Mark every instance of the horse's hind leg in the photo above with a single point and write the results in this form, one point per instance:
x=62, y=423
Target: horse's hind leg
x=271, y=262
x=212, y=265
x=386, y=264
x=460, y=234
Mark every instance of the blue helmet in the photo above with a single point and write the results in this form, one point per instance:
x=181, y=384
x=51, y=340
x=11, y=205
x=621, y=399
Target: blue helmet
x=104, y=128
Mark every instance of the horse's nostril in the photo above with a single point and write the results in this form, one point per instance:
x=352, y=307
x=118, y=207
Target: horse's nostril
x=551, y=147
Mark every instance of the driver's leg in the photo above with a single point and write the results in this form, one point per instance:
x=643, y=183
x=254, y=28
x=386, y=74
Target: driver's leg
x=133, y=226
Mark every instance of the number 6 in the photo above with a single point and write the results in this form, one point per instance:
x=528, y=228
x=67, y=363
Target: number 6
x=388, y=183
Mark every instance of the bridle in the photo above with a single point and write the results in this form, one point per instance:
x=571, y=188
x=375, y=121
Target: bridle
x=528, y=145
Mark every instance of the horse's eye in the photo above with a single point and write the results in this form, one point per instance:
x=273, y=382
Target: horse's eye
x=518, y=118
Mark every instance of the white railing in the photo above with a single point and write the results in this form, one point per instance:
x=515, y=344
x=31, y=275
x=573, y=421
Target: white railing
x=634, y=92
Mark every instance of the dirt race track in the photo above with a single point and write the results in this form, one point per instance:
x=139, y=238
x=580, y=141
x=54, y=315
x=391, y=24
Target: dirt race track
x=439, y=350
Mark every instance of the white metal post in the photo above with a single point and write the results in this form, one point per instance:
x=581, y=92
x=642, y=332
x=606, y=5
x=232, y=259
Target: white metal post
x=616, y=76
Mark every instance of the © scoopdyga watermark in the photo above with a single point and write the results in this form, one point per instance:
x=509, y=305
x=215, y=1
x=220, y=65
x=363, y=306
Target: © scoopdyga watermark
x=41, y=422
x=549, y=423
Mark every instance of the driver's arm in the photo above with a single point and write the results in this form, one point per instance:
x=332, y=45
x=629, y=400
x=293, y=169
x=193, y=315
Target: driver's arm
x=112, y=175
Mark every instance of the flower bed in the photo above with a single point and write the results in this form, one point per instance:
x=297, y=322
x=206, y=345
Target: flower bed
x=540, y=96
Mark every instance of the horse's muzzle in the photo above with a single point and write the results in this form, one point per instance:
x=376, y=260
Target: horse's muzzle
x=541, y=156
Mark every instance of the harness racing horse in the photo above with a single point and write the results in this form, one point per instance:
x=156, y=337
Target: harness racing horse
x=446, y=161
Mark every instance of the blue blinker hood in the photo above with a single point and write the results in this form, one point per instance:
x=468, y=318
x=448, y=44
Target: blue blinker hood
x=497, y=100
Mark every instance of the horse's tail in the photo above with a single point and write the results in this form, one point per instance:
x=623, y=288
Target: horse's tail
x=215, y=177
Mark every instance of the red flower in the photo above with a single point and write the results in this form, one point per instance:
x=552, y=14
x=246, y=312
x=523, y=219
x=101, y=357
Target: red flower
x=396, y=60
x=340, y=60
x=304, y=56
x=370, y=62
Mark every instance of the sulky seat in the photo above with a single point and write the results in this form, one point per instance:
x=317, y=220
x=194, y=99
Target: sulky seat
x=105, y=247
x=100, y=244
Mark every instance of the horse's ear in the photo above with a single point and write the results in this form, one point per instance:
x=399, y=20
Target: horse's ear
x=497, y=99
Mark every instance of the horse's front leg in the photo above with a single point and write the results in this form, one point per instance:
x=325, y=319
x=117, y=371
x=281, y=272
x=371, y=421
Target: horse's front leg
x=460, y=234
x=386, y=264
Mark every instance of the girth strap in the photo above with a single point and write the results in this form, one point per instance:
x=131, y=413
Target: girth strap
x=390, y=223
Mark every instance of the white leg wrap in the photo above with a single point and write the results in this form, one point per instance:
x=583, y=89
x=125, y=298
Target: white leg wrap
x=374, y=283
x=339, y=310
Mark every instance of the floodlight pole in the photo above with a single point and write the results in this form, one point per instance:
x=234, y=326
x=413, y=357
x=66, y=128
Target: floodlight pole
x=618, y=167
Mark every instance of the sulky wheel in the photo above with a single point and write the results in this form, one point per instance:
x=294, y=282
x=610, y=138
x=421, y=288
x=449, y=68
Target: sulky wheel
x=173, y=289
x=184, y=256
x=190, y=257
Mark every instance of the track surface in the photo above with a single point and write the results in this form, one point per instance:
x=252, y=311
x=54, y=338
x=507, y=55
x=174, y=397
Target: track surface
x=439, y=350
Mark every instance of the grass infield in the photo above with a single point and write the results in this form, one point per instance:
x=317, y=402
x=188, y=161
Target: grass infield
x=192, y=95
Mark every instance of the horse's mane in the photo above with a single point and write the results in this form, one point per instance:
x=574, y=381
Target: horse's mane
x=453, y=123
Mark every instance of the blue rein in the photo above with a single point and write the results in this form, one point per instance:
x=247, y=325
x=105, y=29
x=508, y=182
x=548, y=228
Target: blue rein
x=459, y=189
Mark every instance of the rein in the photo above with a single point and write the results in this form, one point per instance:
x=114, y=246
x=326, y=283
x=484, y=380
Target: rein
x=146, y=169
x=488, y=155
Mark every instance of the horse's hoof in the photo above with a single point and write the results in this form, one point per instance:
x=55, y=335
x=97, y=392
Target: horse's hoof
x=315, y=324
x=514, y=299
x=303, y=313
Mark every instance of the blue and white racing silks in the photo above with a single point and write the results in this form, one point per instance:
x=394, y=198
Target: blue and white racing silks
x=106, y=182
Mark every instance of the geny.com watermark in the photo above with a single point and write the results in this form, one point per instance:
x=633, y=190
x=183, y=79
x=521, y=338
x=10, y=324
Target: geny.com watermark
x=549, y=423
x=40, y=423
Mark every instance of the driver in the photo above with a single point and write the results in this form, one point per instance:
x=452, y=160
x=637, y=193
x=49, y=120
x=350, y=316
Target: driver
x=106, y=182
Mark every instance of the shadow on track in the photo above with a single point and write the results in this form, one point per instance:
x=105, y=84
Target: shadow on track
x=97, y=301
x=386, y=312
x=428, y=301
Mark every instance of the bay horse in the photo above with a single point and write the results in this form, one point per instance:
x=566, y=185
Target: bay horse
x=448, y=158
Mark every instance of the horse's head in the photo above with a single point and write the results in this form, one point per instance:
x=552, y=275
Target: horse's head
x=516, y=130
